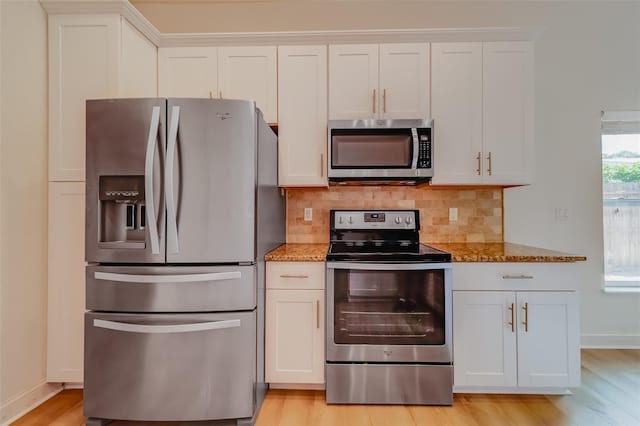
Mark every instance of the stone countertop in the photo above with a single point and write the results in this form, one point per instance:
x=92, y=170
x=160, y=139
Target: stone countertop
x=503, y=252
x=298, y=253
x=460, y=252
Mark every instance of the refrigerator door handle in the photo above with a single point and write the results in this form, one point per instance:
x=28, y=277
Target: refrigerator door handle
x=149, y=202
x=159, y=279
x=172, y=222
x=173, y=328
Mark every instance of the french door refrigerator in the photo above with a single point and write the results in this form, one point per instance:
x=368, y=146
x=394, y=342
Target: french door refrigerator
x=182, y=204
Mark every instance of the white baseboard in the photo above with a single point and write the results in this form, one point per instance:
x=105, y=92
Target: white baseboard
x=610, y=341
x=297, y=386
x=20, y=405
x=74, y=385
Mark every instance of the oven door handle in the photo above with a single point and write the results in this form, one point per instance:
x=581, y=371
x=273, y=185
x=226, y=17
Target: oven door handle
x=388, y=266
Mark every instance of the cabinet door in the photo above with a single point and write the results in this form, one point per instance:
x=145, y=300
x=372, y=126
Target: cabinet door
x=508, y=112
x=353, y=81
x=294, y=336
x=456, y=104
x=138, y=65
x=83, y=64
x=250, y=73
x=66, y=288
x=548, y=347
x=484, y=341
x=188, y=72
x=302, y=114
x=404, y=80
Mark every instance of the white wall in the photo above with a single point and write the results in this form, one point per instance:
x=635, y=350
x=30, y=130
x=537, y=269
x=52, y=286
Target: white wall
x=587, y=60
x=23, y=205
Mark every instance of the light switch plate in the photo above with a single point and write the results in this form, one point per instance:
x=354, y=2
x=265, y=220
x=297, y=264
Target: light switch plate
x=308, y=214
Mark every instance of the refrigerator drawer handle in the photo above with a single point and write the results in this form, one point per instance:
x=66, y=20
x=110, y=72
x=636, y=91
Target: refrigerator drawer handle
x=148, y=180
x=177, y=328
x=172, y=223
x=157, y=279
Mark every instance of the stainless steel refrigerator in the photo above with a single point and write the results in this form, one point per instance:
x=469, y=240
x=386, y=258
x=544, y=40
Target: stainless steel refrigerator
x=182, y=204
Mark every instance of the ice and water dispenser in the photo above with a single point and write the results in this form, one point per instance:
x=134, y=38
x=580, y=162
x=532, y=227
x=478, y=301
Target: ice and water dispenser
x=122, y=212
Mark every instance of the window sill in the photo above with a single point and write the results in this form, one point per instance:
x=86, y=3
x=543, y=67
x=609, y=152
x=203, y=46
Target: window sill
x=620, y=289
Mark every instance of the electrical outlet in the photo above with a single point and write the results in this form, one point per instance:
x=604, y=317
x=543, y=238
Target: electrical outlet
x=308, y=214
x=453, y=214
x=561, y=214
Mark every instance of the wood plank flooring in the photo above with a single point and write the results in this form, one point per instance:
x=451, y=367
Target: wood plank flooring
x=609, y=395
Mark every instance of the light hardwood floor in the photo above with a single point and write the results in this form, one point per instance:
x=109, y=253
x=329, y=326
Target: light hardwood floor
x=609, y=395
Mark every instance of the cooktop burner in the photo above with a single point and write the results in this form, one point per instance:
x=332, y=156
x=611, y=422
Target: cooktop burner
x=379, y=236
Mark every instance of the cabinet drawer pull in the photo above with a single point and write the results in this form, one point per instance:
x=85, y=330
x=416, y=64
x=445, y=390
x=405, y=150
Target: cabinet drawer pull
x=317, y=314
x=478, y=159
x=384, y=100
x=517, y=277
x=512, y=323
x=321, y=165
x=294, y=276
x=489, y=158
x=526, y=316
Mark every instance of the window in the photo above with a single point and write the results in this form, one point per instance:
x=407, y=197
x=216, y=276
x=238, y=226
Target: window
x=621, y=199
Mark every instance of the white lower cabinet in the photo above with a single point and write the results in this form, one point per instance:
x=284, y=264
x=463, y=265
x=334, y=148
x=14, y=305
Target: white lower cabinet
x=65, y=325
x=515, y=341
x=294, y=326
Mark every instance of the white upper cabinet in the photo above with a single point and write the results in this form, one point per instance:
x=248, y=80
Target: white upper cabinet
x=188, y=72
x=302, y=115
x=379, y=81
x=507, y=88
x=221, y=72
x=456, y=104
x=404, y=80
x=353, y=81
x=90, y=57
x=83, y=64
x=250, y=73
x=482, y=104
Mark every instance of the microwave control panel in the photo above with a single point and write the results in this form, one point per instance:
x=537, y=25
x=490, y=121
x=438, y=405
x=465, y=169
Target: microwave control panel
x=424, y=148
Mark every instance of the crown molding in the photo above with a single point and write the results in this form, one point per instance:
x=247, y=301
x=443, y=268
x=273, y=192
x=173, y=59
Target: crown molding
x=137, y=19
x=120, y=7
x=351, y=36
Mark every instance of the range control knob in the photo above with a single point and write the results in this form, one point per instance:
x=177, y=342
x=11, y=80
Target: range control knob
x=408, y=220
x=340, y=219
x=350, y=219
x=398, y=220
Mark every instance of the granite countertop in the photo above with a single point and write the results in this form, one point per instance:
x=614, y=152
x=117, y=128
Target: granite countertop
x=503, y=252
x=460, y=252
x=298, y=253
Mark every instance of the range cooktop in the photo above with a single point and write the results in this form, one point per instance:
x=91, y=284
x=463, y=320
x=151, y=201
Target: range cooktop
x=379, y=236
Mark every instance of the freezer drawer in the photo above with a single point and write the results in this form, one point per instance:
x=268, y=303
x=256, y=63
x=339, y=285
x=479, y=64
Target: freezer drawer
x=170, y=288
x=178, y=367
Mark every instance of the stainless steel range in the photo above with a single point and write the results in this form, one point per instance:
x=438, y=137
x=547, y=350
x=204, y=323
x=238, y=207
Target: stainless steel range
x=388, y=312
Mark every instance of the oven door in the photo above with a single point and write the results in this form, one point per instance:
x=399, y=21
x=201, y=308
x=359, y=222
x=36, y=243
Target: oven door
x=389, y=312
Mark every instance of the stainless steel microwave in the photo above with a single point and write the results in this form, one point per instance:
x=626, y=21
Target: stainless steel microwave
x=384, y=151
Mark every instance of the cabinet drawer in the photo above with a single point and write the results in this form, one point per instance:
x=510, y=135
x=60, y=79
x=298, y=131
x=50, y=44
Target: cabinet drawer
x=516, y=276
x=295, y=275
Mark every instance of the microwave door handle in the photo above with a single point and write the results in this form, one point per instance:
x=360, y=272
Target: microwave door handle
x=149, y=202
x=172, y=223
x=416, y=146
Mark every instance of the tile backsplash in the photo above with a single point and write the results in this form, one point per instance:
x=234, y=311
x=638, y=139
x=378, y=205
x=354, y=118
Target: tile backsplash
x=479, y=210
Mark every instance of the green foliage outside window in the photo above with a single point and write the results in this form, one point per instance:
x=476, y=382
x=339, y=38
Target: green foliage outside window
x=621, y=173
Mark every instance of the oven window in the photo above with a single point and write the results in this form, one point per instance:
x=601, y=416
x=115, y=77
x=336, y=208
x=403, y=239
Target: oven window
x=370, y=151
x=389, y=307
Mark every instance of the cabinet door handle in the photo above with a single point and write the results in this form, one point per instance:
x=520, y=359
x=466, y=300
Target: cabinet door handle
x=479, y=167
x=526, y=316
x=512, y=323
x=384, y=100
x=294, y=276
x=374, y=100
x=489, y=158
x=517, y=277
x=321, y=165
x=317, y=314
